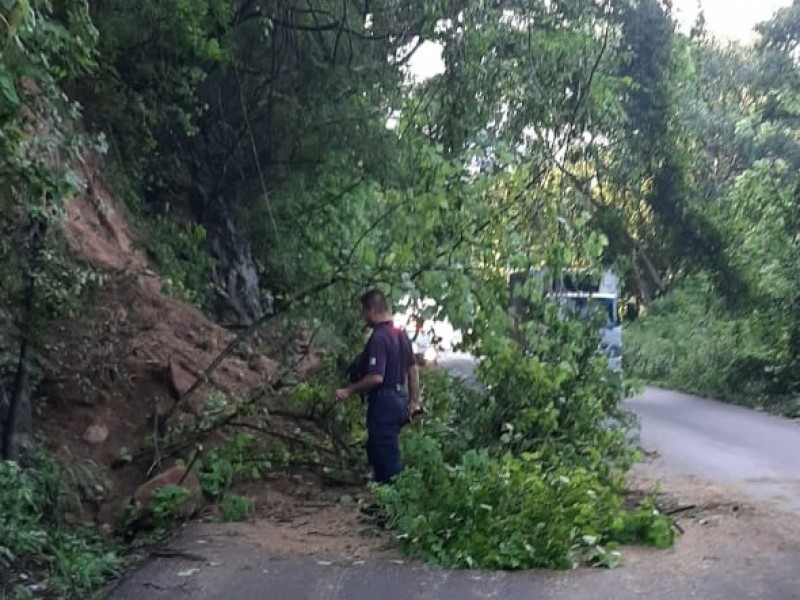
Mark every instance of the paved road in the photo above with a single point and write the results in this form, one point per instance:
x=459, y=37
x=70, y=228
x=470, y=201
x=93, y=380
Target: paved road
x=238, y=572
x=722, y=443
x=758, y=453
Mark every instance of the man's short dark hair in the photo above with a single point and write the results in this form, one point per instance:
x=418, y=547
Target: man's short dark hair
x=374, y=300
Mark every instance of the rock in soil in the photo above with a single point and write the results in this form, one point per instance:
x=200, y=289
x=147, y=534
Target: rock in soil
x=95, y=434
x=173, y=476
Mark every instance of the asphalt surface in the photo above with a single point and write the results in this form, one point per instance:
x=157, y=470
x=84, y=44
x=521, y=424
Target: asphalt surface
x=757, y=453
x=236, y=572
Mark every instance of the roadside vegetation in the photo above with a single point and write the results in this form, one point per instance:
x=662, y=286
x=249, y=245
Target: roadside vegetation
x=690, y=341
x=524, y=471
x=43, y=552
x=734, y=335
x=277, y=158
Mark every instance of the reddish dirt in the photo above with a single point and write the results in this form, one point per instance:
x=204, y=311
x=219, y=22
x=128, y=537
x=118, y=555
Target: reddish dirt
x=123, y=364
x=99, y=231
x=295, y=518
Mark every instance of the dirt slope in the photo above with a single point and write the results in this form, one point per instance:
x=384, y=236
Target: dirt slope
x=111, y=375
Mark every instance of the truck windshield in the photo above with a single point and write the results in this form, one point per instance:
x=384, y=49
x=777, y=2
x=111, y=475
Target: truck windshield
x=580, y=307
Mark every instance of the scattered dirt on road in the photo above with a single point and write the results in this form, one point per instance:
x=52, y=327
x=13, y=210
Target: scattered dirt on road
x=721, y=531
x=294, y=517
x=329, y=532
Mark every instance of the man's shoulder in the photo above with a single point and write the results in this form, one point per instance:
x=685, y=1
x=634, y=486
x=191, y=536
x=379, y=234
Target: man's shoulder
x=404, y=337
x=388, y=333
x=380, y=333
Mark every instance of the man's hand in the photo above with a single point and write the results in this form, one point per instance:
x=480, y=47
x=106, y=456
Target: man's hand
x=414, y=406
x=365, y=384
x=415, y=409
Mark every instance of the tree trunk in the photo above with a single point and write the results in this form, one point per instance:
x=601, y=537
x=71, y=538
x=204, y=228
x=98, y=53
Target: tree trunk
x=17, y=429
x=235, y=274
x=4, y=410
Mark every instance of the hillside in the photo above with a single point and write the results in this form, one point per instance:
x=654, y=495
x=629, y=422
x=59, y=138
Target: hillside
x=121, y=370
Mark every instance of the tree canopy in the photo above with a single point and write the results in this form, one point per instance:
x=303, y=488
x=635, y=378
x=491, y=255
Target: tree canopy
x=279, y=158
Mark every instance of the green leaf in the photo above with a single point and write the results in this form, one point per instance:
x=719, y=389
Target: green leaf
x=8, y=90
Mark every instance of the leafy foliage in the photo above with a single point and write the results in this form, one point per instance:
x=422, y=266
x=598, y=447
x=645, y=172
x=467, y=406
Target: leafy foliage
x=235, y=508
x=743, y=116
x=504, y=513
x=164, y=506
x=34, y=504
x=525, y=474
x=145, y=98
x=526, y=470
x=242, y=458
x=179, y=250
x=563, y=134
x=640, y=525
x=689, y=341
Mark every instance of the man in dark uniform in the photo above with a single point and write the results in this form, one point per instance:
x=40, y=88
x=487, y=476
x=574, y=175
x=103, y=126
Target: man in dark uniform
x=387, y=363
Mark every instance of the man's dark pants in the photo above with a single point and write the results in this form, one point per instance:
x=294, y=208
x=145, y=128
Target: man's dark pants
x=386, y=414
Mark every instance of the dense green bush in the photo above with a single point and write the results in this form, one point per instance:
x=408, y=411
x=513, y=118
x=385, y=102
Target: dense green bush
x=35, y=536
x=177, y=246
x=235, y=508
x=508, y=512
x=690, y=341
x=179, y=250
x=165, y=506
x=524, y=468
x=241, y=458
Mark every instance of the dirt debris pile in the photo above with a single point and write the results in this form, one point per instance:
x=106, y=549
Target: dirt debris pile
x=115, y=377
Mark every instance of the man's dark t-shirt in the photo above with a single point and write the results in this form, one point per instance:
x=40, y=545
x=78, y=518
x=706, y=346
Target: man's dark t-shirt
x=388, y=353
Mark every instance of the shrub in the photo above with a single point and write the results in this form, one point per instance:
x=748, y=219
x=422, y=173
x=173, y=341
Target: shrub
x=165, y=505
x=509, y=512
x=242, y=457
x=34, y=534
x=235, y=508
x=690, y=341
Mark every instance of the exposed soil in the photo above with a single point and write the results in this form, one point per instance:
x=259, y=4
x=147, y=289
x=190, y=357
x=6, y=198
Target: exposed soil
x=298, y=519
x=112, y=376
x=719, y=528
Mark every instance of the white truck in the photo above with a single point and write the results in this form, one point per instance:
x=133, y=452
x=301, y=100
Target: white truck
x=580, y=300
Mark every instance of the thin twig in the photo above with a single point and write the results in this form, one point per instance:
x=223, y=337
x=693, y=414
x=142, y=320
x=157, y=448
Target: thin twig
x=679, y=509
x=254, y=148
x=188, y=469
x=156, y=448
x=282, y=436
x=246, y=333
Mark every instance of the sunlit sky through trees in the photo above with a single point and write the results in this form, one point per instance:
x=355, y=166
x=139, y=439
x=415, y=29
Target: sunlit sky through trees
x=725, y=19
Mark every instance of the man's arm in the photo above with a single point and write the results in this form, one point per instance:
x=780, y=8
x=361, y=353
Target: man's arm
x=365, y=384
x=412, y=373
x=413, y=388
x=375, y=353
